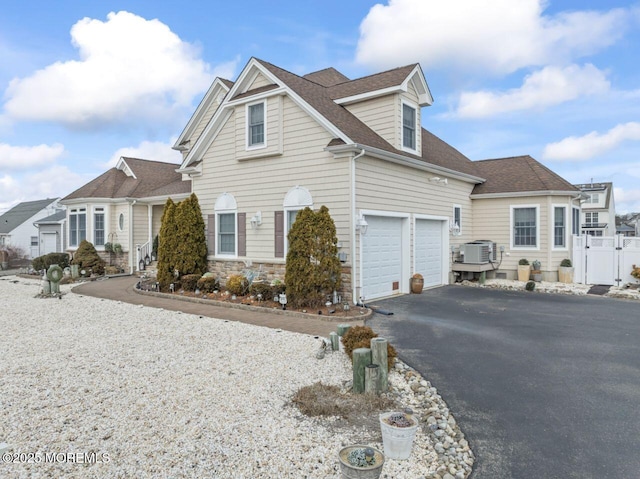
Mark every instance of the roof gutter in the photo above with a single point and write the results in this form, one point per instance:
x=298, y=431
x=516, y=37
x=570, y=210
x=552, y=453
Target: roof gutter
x=575, y=194
x=406, y=161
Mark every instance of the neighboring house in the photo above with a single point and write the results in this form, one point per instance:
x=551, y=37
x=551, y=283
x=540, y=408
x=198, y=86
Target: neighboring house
x=123, y=205
x=598, y=216
x=17, y=225
x=52, y=233
x=261, y=148
x=625, y=230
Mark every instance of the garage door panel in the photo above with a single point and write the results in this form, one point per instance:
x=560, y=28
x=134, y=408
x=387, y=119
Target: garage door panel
x=428, y=251
x=381, y=256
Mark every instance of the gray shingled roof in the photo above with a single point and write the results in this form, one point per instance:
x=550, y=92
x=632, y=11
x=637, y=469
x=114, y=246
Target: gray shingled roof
x=21, y=213
x=153, y=178
x=54, y=218
x=327, y=77
x=518, y=174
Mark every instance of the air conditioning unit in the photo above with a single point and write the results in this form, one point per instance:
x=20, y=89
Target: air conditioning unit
x=478, y=252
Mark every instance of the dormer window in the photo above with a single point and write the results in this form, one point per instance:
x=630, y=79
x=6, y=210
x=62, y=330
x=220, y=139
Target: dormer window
x=256, y=125
x=408, y=127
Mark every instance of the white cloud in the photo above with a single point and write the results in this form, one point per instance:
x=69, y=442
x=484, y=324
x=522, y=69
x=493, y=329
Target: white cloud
x=25, y=157
x=129, y=69
x=56, y=181
x=543, y=88
x=147, y=150
x=496, y=37
x=593, y=144
x=627, y=200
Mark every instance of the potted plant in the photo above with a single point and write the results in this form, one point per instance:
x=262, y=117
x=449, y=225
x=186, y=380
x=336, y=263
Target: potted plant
x=524, y=270
x=565, y=271
x=398, y=432
x=536, y=272
x=417, y=283
x=360, y=462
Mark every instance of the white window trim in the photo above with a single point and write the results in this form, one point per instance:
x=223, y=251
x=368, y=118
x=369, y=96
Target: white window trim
x=417, y=125
x=511, y=232
x=94, y=210
x=124, y=220
x=575, y=227
x=454, y=217
x=294, y=202
x=77, y=211
x=552, y=222
x=246, y=127
x=235, y=233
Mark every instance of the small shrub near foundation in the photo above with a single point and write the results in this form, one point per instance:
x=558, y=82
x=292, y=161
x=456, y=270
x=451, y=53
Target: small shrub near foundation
x=208, y=284
x=261, y=288
x=189, y=281
x=237, y=284
x=530, y=286
x=360, y=337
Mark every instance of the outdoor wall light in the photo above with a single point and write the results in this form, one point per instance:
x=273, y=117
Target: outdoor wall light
x=437, y=179
x=361, y=225
x=256, y=220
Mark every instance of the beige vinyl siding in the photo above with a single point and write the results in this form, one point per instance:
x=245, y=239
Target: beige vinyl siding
x=259, y=81
x=260, y=184
x=273, y=131
x=385, y=186
x=157, y=220
x=140, y=225
x=123, y=236
x=376, y=114
x=493, y=222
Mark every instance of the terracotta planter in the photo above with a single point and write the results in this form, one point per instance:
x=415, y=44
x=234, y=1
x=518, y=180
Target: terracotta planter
x=524, y=272
x=565, y=274
x=417, y=284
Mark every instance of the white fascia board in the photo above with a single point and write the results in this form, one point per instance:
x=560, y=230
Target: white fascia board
x=369, y=95
x=85, y=201
x=162, y=198
x=420, y=83
x=406, y=161
x=215, y=89
x=210, y=132
x=518, y=194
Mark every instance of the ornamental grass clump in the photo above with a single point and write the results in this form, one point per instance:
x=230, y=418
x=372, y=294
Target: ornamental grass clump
x=237, y=284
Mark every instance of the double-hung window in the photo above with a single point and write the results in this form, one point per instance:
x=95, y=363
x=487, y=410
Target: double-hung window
x=575, y=221
x=408, y=127
x=559, y=227
x=457, y=218
x=98, y=227
x=525, y=226
x=226, y=234
x=77, y=226
x=255, y=125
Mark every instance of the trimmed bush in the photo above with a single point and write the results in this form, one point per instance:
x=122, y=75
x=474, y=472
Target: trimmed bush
x=189, y=281
x=166, y=245
x=360, y=337
x=44, y=261
x=208, y=284
x=191, y=257
x=237, y=284
x=566, y=263
x=277, y=287
x=261, y=288
x=87, y=258
x=530, y=286
x=523, y=262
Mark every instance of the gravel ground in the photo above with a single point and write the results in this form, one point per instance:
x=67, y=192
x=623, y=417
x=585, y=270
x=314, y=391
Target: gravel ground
x=109, y=389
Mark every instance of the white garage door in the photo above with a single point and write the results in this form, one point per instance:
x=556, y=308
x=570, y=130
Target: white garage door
x=382, y=257
x=49, y=243
x=428, y=251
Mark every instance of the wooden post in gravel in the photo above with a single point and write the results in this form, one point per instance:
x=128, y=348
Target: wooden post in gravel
x=379, y=357
x=361, y=358
x=335, y=341
x=342, y=330
x=371, y=383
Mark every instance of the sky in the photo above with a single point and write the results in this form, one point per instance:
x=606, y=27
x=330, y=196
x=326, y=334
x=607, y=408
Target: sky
x=86, y=82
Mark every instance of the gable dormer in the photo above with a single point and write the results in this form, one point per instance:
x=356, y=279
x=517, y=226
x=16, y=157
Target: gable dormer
x=390, y=104
x=207, y=107
x=125, y=168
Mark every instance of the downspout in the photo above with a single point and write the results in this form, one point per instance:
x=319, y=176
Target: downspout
x=353, y=229
x=132, y=249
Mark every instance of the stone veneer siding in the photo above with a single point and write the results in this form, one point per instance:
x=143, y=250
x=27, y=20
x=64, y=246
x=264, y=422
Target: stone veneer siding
x=269, y=272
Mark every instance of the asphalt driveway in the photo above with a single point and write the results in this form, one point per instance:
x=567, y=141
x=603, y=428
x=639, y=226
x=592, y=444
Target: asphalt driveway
x=543, y=386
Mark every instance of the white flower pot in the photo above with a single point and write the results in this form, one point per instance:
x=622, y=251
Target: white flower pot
x=397, y=441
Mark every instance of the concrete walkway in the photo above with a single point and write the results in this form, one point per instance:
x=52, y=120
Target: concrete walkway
x=122, y=289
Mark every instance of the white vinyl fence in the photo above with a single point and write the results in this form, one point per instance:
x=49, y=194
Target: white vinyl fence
x=605, y=259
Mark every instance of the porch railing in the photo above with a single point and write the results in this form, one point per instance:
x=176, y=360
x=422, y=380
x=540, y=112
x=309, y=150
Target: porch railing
x=143, y=255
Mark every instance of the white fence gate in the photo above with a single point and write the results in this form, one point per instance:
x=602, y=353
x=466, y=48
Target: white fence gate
x=605, y=259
